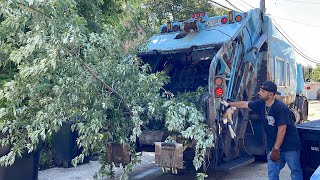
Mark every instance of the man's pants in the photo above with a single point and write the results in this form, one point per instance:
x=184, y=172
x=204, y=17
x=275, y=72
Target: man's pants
x=293, y=160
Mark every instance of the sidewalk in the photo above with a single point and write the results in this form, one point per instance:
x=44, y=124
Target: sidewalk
x=314, y=110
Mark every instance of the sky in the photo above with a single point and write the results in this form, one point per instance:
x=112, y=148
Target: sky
x=299, y=19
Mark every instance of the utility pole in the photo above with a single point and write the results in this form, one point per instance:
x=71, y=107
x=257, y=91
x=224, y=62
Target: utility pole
x=262, y=7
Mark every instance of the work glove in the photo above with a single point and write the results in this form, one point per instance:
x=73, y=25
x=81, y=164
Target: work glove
x=225, y=103
x=275, y=155
x=232, y=133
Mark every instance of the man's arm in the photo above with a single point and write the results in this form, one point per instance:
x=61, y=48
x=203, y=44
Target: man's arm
x=280, y=136
x=239, y=104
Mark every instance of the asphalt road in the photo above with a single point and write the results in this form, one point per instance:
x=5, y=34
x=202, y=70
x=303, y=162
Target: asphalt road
x=147, y=170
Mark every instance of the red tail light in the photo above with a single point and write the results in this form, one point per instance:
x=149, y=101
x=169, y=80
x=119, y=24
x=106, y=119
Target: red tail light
x=203, y=14
x=218, y=91
x=219, y=86
x=198, y=14
x=224, y=20
x=192, y=15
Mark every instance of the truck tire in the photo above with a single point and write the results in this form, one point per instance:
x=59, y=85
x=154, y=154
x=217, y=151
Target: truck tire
x=304, y=111
x=295, y=116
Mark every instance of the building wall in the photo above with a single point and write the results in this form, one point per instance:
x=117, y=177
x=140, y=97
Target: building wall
x=312, y=90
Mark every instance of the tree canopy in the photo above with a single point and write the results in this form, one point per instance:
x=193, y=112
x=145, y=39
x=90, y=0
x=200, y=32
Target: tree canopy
x=74, y=61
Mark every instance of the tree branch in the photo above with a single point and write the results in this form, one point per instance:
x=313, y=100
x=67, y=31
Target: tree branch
x=109, y=88
x=33, y=9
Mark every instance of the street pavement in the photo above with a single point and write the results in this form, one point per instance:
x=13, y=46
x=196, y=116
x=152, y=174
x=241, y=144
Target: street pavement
x=314, y=110
x=147, y=170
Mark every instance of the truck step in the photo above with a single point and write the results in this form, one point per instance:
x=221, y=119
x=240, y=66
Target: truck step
x=236, y=163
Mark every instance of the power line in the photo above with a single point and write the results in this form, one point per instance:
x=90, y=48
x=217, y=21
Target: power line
x=287, y=37
x=295, y=21
x=276, y=2
x=242, y=5
x=247, y=4
x=234, y=6
x=291, y=41
x=221, y=5
x=304, y=2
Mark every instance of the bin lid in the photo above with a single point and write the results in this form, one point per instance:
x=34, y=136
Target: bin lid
x=311, y=125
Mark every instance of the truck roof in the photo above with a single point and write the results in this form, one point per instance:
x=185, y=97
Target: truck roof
x=211, y=32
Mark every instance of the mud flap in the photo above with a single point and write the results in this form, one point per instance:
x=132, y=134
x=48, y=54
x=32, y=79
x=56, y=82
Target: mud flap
x=169, y=156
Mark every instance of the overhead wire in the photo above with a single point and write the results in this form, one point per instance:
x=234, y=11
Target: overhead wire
x=291, y=41
x=284, y=11
x=304, y=2
x=233, y=5
x=247, y=4
x=313, y=25
x=221, y=5
x=285, y=35
x=242, y=5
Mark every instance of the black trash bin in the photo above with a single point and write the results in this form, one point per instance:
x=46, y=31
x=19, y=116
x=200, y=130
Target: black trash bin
x=310, y=152
x=65, y=146
x=25, y=167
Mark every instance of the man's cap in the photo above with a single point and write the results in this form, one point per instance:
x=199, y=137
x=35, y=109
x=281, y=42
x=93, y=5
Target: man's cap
x=270, y=86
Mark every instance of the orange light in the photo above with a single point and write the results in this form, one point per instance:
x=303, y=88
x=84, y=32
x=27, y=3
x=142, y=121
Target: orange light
x=230, y=16
x=238, y=18
x=224, y=20
x=218, y=81
x=169, y=25
x=219, y=91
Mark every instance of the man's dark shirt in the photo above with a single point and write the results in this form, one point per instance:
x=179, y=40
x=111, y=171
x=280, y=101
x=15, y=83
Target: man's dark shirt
x=278, y=114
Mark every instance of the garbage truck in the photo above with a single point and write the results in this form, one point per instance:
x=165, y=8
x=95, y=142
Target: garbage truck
x=230, y=56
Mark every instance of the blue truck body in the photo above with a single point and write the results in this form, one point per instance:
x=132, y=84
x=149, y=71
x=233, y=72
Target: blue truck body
x=241, y=49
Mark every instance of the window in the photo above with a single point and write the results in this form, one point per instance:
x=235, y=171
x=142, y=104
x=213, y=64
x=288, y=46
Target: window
x=280, y=72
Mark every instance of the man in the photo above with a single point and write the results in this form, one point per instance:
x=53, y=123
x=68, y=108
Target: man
x=282, y=136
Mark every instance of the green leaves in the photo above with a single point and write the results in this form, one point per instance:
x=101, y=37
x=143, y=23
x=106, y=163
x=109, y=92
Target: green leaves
x=71, y=63
x=184, y=117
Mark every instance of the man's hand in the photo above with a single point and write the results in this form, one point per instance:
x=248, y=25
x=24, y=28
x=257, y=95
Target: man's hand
x=275, y=155
x=225, y=103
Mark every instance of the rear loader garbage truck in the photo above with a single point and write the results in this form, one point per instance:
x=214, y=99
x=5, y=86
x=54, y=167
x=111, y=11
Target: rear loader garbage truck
x=230, y=56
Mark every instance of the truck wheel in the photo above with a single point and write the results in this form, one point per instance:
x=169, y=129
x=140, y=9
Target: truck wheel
x=295, y=116
x=304, y=111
